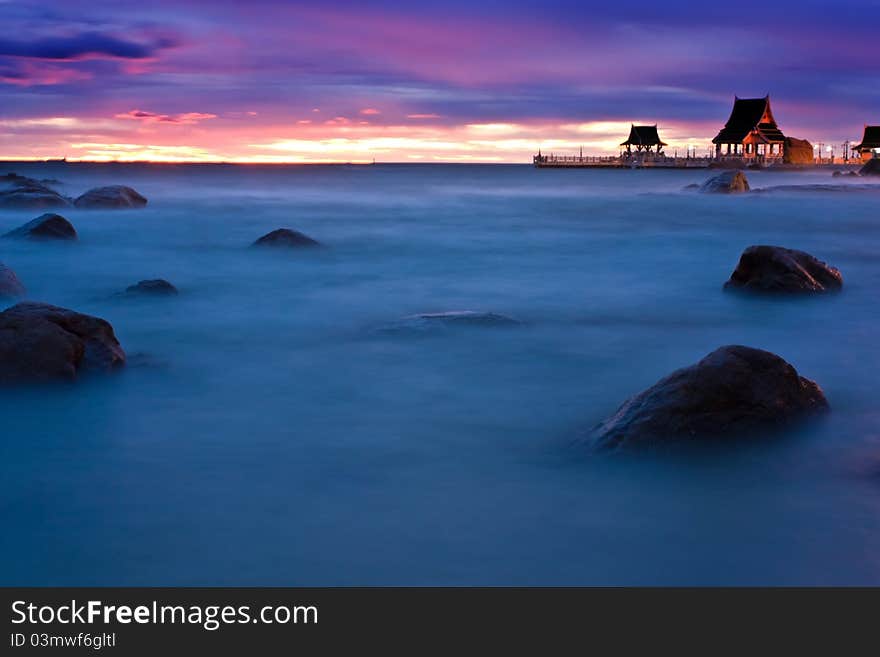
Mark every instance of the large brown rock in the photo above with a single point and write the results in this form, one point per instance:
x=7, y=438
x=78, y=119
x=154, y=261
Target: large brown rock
x=777, y=269
x=285, y=237
x=110, y=197
x=10, y=286
x=733, y=391
x=729, y=182
x=20, y=192
x=797, y=151
x=47, y=226
x=39, y=343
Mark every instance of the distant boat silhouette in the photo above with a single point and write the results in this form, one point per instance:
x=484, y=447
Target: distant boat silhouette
x=63, y=160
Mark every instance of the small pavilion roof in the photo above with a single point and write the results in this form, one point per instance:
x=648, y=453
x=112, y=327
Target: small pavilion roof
x=643, y=135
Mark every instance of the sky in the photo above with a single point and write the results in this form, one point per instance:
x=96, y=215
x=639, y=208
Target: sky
x=452, y=81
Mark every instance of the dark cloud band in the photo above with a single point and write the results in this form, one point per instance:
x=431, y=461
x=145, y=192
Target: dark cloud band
x=81, y=45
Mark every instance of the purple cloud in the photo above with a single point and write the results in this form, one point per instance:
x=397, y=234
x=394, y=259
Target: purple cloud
x=264, y=65
x=186, y=118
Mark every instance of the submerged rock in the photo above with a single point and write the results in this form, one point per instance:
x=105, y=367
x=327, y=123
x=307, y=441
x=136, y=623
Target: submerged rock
x=468, y=317
x=22, y=192
x=47, y=226
x=39, y=342
x=777, y=269
x=425, y=322
x=821, y=188
x=110, y=197
x=729, y=182
x=729, y=393
x=871, y=168
x=153, y=287
x=285, y=237
x=10, y=286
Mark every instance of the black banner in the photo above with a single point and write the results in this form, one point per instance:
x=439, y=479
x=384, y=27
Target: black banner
x=174, y=621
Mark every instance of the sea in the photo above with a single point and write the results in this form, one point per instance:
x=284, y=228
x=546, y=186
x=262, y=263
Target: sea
x=269, y=430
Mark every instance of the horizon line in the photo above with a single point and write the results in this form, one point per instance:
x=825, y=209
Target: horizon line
x=359, y=163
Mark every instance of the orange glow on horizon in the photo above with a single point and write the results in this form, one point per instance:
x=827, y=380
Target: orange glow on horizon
x=143, y=136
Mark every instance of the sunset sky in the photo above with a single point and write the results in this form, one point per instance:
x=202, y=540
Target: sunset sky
x=260, y=80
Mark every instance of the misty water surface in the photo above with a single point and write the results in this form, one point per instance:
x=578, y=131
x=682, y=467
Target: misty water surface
x=265, y=433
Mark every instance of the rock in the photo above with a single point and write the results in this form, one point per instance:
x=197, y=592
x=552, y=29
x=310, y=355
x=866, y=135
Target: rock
x=22, y=192
x=871, y=168
x=112, y=196
x=286, y=237
x=729, y=182
x=39, y=342
x=691, y=187
x=836, y=174
x=731, y=392
x=10, y=286
x=153, y=287
x=797, y=151
x=45, y=227
x=777, y=269
x=425, y=322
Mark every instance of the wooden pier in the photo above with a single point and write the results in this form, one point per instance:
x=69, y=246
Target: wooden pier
x=634, y=161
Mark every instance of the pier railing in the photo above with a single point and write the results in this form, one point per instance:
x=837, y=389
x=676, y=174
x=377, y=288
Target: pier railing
x=653, y=160
x=621, y=161
x=576, y=159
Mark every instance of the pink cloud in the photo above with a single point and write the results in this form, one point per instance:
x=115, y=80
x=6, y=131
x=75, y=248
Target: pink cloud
x=138, y=66
x=29, y=74
x=370, y=111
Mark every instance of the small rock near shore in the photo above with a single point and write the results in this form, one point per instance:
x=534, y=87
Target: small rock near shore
x=110, y=197
x=48, y=226
x=732, y=392
x=285, y=237
x=152, y=287
x=20, y=192
x=777, y=269
x=10, y=286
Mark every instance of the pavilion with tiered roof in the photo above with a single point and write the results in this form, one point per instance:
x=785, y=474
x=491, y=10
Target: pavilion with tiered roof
x=750, y=132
